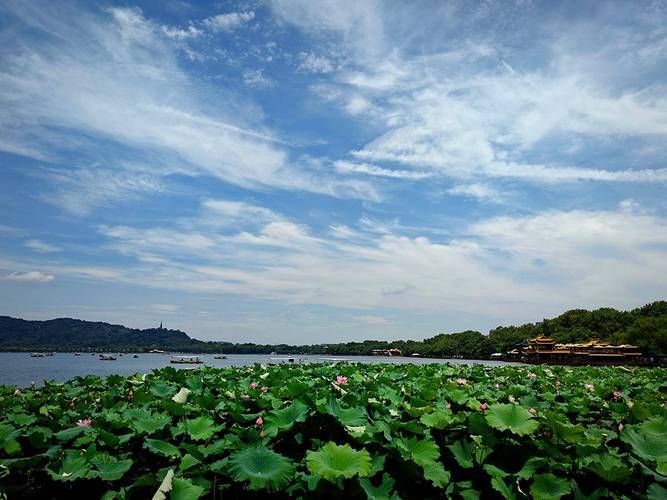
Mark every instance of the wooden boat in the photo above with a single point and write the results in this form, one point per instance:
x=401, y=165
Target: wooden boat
x=186, y=360
x=36, y=355
x=107, y=357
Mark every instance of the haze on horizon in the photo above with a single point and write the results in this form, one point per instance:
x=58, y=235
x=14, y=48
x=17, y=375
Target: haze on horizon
x=306, y=172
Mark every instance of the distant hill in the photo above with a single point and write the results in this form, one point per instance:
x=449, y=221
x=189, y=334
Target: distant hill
x=66, y=334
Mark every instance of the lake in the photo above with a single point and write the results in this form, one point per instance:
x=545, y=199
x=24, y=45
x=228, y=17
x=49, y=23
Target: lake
x=20, y=369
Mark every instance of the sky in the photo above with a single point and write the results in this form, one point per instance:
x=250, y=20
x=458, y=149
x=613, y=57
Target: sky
x=305, y=172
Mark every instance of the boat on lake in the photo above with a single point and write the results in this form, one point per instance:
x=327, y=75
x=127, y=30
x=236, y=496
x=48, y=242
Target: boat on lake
x=107, y=357
x=186, y=360
x=36, y=355
x=220, y=356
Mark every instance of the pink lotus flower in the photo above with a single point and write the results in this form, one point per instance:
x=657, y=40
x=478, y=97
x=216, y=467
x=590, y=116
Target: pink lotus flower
x=130, y=394
x=483, y=406
x=617, y=394
x=589, y=387
x=532, y=376
x=448, y=406
x=259, y=421
x=33, y=383
x=557, y=383
x=341, y=380
x=620, y=427
x=245, y=397
x=532, y=411
x=497, y=386
x=264, y=389
x=253, y=386
x=461, y=381
x=84, y=422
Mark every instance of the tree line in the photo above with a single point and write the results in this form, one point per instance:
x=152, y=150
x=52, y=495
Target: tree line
x=645, y=327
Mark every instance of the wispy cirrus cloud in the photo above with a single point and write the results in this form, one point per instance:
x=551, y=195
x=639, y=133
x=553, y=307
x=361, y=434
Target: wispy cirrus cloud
x=67, y=95
x=41, y=246
x=33, y=276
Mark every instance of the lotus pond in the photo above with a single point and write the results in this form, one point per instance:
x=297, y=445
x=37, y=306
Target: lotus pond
x=368, y=430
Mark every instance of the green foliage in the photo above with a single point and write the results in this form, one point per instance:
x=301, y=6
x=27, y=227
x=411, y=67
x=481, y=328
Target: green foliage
x=264, y=468
x=395, y=431
x=333, y=462
x=511, y=417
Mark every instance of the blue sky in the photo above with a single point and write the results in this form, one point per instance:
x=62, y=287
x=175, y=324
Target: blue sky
x=298, y=171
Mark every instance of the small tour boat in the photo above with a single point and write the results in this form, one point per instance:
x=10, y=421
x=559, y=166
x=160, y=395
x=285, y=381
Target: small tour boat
x=186, y=360
x=36, y=355
x=77, y=354
x=107, y=357
x=220, y=356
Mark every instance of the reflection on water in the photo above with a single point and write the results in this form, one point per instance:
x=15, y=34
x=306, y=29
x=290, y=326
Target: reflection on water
x=21, y=369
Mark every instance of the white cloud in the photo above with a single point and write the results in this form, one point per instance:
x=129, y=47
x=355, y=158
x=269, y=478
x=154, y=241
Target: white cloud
x=180, y=33
x=507, y=267
x=164, y=308
x=456, y=106
x=81, y=190
x=68, y=94
x=347, y=167
x=229, y=21
x=476, y=190
x=373, y=320
x=35, y=276
x=312, y=63
x=256, y=78
x=42, y=247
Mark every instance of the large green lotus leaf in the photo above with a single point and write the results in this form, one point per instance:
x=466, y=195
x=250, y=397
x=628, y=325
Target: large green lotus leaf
x=354, y=417
x=645, y=444
x=110, y=468
x=21, y=419
x=421, y=451
x=547, y=487
x=333, y=461
x=69, y=434
x=501, y=487
x=73, y=466
x=282, y=420
x=185, y=489
x=438, y=419
x=200, y=428
x=656, y=492
x=564, y=430
x=609, y=467
x=264, y=468
x=188, y=461
x=384, y=491
x=462, y=451
x=511, y=417
x=161, y=447
x=161, y=389
x=8, y=435
x=437, y=474
x=151, y=424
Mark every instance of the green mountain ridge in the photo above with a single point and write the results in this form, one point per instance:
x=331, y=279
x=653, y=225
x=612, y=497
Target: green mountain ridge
x=645, y=327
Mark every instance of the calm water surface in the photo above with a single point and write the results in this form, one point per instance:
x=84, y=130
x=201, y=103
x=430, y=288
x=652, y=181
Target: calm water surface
x=21, y=369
